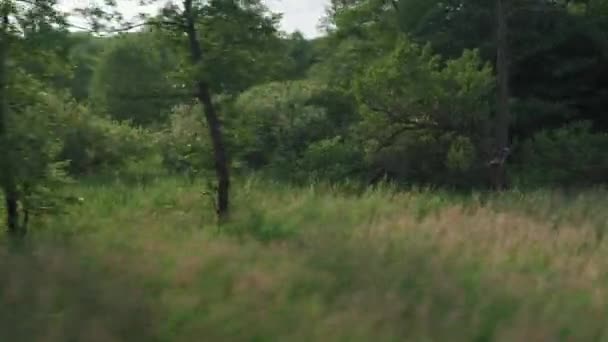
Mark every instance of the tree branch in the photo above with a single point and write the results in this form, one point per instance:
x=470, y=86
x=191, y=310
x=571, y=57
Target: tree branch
x=116, y=30
x=129, y=27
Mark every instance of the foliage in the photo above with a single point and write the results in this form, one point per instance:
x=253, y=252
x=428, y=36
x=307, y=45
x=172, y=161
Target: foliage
x=84, y=56
x=185, y=145
x=332, y=159
x=94, y=144
x=301, y=55
x=343, y=59
x=557, y=54
x=572, y=155
x=240, y=41
x=439, y=108
x=131, y=80
x=277, y=122
x=31, y=146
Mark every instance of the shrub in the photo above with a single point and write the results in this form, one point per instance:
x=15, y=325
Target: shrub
x=277, y=123
x=425, y=119
x=332, y=159
x=418, y=158
x=572, y=155
x=93, y=144
x=184, y=144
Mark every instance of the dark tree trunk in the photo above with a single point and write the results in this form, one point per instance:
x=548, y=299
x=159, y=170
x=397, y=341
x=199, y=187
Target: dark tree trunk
x=503, y=116
x=3, y=70
x=12, y=213
x=6, y=181
x=203, y=94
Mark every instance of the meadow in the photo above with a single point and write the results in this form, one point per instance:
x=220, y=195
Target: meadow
x=114, y=130
x=145, y=261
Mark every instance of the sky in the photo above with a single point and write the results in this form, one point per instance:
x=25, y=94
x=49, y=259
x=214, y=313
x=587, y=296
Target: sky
x=302, y=15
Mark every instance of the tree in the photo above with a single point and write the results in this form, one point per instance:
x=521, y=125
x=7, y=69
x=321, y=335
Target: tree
x=7, y=182
x=215, y=126
x=421, y=110
x=200, y=23
x=83, y=57
x=277, y=121
x=300, y=53
x=131, y=79
x=215, y=33
x=26, y=139
x=551, y=69
x=503, y=116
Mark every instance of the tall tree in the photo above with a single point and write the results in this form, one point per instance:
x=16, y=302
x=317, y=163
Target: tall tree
x=7, y=183
x=203, y=94
x=503, y=115
x=26, y=143
x=130, y=80
x=229, y=43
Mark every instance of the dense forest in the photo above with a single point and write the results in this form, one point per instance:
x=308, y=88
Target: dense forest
x=401, y=107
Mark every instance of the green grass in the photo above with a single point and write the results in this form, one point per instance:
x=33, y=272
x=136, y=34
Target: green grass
x=319, y=263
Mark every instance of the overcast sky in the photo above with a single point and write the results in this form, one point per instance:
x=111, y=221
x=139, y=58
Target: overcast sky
x=300, y=15
x=303, y=15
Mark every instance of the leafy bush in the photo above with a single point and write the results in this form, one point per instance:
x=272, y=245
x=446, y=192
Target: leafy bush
x=332, y=159
x=278, y=122
x=424, y=119
x=565, y=156
x=93, y=144
x=184, y=145
x=461, y=154
x=418, y=158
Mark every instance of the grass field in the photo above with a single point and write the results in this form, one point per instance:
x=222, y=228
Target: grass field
x=320, y=263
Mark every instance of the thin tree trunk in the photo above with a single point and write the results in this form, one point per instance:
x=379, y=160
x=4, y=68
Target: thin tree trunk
x=215, y=126
x=12, y=213
x=503, y=116
x=3, y=69
x=6, y=182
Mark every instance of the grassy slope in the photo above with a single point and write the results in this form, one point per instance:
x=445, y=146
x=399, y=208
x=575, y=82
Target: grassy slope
x=146, y=263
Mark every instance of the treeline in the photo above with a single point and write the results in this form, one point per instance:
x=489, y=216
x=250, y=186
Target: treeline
x=404, y=90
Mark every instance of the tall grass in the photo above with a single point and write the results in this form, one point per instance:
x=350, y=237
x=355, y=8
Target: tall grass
x=317, y=263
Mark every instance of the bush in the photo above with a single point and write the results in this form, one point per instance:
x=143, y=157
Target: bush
x=93, y=144
x=425, y=119
x=184, y=145
x=417, y=158
x=572, y=155
x=275, y=121
x=332, y=159
x=278, y=123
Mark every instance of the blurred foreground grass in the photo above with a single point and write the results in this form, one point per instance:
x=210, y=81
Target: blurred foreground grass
x=146, y=263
